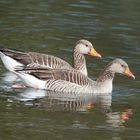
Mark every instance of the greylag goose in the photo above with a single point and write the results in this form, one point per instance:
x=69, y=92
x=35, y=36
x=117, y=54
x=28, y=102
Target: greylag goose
x=13, y=59
x=72, y=80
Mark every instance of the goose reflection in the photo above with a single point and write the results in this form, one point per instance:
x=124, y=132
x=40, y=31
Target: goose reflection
x=66, y=101
x=9, y=77
x=30, y=94
x=117, y=119
x=10, y=80
x=50, y=99
x=55, y=101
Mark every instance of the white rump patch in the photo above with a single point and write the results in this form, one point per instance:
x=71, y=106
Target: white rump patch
x=10, y=63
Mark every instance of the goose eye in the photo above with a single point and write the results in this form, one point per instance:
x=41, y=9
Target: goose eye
x=86, y=45
x=123, y=66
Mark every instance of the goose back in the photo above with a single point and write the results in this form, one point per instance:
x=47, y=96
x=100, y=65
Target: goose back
x=36, y=60
x=61, y=80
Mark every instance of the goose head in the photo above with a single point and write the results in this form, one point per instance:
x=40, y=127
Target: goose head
x=120, y=66
x=85, y=47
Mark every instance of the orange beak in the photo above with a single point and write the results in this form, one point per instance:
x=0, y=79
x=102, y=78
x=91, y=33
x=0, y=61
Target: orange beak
x=93, y=52
x=128, y=73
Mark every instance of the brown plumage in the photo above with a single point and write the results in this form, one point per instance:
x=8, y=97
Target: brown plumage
x=73, y=81
x=14, y=59
x=72, y=76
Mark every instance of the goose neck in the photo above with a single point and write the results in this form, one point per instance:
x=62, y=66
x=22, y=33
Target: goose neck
x=106, y=75
x=79, y=62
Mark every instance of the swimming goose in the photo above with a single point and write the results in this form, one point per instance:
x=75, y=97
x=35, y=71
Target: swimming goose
x=72, y=80
x=14, y=59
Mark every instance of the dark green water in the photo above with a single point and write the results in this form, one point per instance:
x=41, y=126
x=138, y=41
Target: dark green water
x=53, y=27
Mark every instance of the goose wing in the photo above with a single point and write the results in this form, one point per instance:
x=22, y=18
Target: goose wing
x=71, y=76
x=38, y=60
x=21, y=57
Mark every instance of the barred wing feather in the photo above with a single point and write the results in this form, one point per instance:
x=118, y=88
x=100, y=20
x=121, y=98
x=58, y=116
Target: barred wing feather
x=36, y=60
x=56, y=80
x=71, y=76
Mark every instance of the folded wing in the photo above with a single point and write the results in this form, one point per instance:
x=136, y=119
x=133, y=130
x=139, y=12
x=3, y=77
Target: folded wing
x=71, y=76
